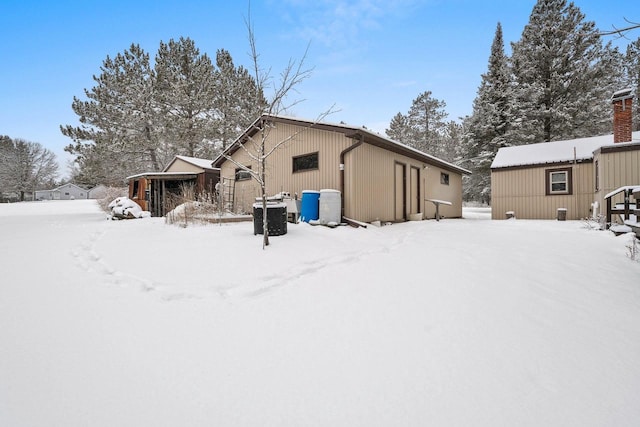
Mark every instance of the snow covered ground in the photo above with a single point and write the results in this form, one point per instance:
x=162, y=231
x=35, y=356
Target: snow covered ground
x=452, y=323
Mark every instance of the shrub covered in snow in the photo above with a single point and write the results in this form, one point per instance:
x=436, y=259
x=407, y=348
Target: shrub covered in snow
x=125, y=208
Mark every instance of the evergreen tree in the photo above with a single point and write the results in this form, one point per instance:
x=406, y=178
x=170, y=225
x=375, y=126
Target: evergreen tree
x=238, y=101
x=632, y=66
x=185, y=90
x=424, y=126
x=119, y=119
x=489, y=127
x=452, y=147
x=399, y=129
x=136, y=118
x=563, y=87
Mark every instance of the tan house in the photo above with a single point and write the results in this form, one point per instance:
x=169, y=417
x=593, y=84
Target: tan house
x=378, y=179
x=568, y=178
x=152, y=190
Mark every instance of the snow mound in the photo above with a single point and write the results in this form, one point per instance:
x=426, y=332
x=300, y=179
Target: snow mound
x=125, y=208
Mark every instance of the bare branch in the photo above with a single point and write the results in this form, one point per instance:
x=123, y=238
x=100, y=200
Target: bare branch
x=620, y=32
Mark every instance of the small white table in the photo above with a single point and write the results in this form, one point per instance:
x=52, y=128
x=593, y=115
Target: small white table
x=438, y=203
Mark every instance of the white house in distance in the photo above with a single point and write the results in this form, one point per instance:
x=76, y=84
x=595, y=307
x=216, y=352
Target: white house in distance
x=64, y=192
x=578, y=178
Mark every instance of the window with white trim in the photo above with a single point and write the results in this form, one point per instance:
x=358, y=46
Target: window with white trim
x=558, y=181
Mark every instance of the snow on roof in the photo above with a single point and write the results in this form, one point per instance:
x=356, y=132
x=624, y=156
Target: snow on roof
x=553, y=152
x=161, y=174
x=373, y=135
x=201, y=163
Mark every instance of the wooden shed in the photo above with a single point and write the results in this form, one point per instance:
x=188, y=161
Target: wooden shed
x=152, y=190
x=378, y=179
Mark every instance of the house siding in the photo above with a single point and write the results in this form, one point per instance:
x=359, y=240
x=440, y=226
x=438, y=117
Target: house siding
x=523, y=191
x=617, y=169
x=280, y=176
x=369, y=175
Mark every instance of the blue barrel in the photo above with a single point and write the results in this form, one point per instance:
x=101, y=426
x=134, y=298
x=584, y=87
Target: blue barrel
x=309, y=209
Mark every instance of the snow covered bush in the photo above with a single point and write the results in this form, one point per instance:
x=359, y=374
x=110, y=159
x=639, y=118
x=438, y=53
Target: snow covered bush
x=125, y=208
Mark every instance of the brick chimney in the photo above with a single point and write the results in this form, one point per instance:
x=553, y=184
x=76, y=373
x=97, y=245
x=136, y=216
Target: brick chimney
x=622, y=101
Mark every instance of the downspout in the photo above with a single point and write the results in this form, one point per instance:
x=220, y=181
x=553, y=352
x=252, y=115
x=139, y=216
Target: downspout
x=342, y=155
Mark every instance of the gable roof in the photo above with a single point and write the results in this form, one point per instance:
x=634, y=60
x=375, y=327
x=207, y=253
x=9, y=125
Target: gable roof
x=69, y=184
x=350, y=132
x=201, y=163
x=579, y=149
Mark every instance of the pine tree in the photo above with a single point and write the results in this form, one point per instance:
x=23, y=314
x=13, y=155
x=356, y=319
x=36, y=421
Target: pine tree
x=423, y=127
x=237, y=100
x=560, y=78
x=489, y=127
x=119, y=119
x=632, y=67
x=185, y=90
x=137, y=118
x=399, y=129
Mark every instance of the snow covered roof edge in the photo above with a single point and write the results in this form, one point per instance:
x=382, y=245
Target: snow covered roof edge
x=579, y=149
x=201, y=163
x=318, y=124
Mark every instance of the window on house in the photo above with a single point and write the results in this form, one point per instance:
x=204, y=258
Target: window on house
x=134, y=192
x=444, y=178
x=558, y=181
x=306, y=162
x=242, y=174
x=597, y=175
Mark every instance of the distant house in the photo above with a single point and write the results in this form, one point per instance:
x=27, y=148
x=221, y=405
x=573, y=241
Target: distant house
x=575, y=176
x=64, y=192
x=153, y=190
x=378, y=179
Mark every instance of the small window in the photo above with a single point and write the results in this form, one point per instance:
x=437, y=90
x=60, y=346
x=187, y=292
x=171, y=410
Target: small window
x=597, y=175
x=444, y=178
x=558, y=181
x=242, y=174
x=305, y=163
x=66, y=193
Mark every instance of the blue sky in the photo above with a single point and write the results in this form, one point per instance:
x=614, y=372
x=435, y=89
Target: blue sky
x=371, y=58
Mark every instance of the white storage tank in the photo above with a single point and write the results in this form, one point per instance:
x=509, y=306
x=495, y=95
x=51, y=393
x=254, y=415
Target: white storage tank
x=330, y=207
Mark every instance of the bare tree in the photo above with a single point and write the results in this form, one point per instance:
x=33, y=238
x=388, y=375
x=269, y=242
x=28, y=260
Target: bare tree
x=277, y=93
x=25, y=165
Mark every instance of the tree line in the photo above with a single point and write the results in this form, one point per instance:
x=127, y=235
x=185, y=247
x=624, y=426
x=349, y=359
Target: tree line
x=556, y=85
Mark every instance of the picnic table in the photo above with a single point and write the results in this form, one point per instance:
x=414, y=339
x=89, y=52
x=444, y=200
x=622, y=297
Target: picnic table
x=438, y=203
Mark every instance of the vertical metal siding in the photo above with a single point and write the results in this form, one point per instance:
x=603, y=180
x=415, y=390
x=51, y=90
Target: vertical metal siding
x=617, y=170
x=280, y=176
x=368, y=177
x=523, y=192
x=373, y=178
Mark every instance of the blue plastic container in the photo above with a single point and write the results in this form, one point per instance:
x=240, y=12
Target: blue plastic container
x=310, y=205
